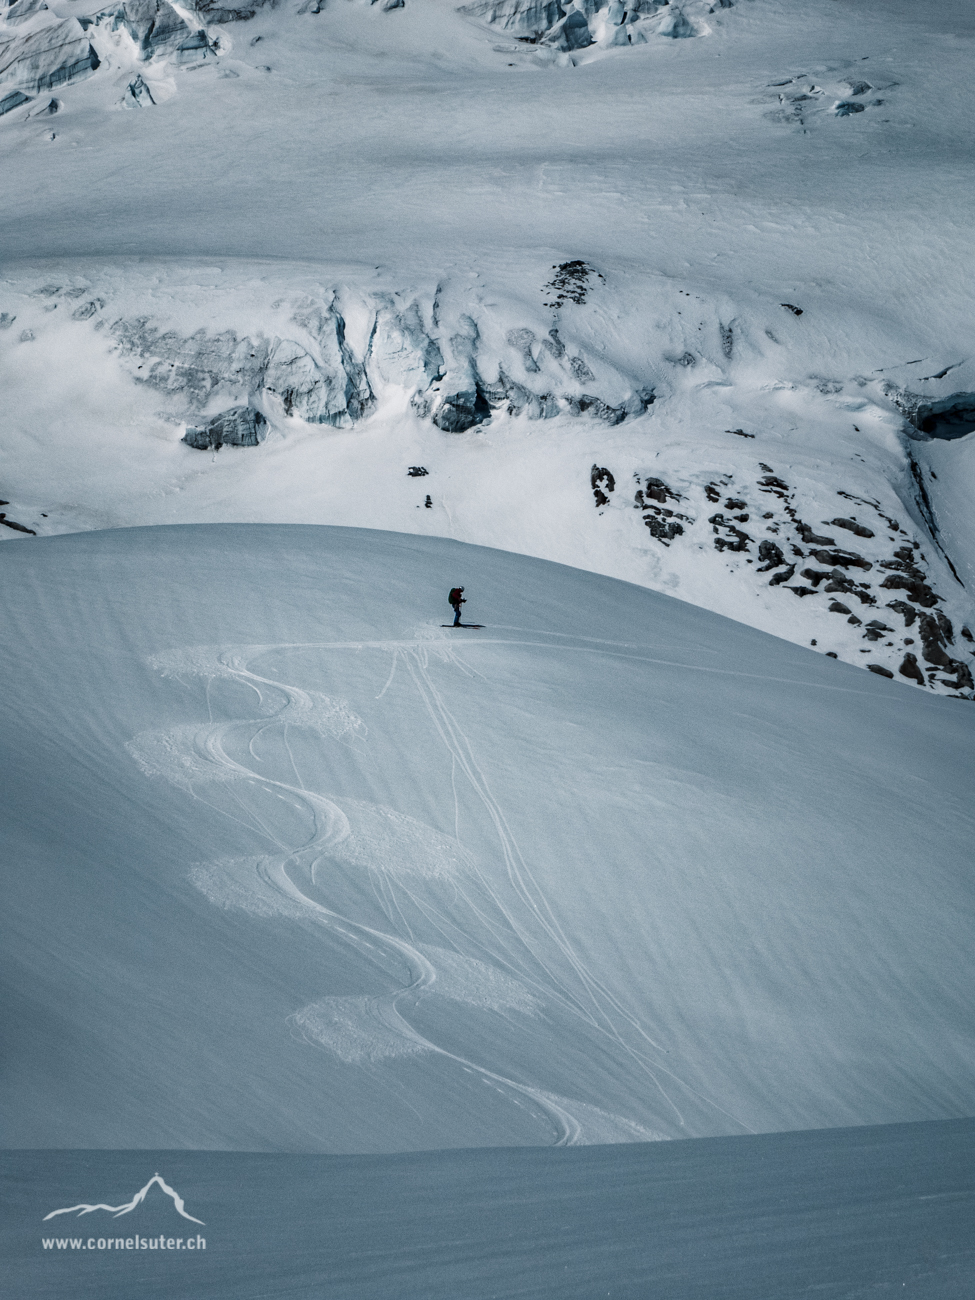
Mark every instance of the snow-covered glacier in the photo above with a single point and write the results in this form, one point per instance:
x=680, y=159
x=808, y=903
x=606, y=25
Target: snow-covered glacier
x=290, y=866
x=692, y=313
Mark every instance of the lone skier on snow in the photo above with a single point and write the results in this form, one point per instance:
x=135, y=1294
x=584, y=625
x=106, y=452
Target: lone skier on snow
x=456, y=599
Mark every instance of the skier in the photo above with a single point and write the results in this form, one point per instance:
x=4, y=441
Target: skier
x=456, y=599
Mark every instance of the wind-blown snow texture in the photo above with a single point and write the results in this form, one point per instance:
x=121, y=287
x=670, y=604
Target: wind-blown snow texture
x=716, y=256
x=287, y=866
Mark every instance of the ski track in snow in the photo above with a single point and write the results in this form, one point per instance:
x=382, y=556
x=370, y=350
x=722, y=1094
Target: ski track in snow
x=399, y=853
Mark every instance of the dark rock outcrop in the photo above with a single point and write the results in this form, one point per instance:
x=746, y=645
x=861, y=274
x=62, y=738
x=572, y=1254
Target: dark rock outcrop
x=842, y=559
x=910, y=668
x=770, y=555
x=601, y=479
x=811, y=538
x=852, y=526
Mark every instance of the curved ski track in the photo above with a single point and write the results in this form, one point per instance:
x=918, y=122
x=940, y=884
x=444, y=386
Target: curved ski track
x=528, y=913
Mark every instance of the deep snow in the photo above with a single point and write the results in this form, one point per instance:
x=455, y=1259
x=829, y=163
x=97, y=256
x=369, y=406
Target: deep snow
x=409, y=156
x=290, y=867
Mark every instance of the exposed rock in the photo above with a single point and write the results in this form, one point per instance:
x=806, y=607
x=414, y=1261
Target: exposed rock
x=602, y=478
x=417, y=471
x=910, y=668
x=918, y=591
x=572, y=282
x=734, y=540
x=656, y=490
x=902, y=607
x=852, y=526
x=963, y=680
x=875, y=630
x=241, y=426
x=663, y=528
x=846, y=108
x=19, y=528
x=842, y=559
x=784, y=576
x=770, y=555
x=837, y=607
x=811, y=538
x=880, y=670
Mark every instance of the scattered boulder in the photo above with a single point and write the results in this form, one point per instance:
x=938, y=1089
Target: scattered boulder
x=602, y=478
x=852, y=526
x=784, y=576
x=918, y=591
x=811, y=538
x=770, y=555
x=241, y=426
x=910, y=668
x=902, y=607
x=837, y=607
x=875, y=630
x=842, y=559
x=880, y=670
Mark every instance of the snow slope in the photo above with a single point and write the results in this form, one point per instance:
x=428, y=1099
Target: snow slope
x=352, y=221
x=287, y=866
x=838, y=1212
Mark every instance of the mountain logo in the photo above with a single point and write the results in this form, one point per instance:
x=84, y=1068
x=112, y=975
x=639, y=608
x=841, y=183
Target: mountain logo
x=117, y=1210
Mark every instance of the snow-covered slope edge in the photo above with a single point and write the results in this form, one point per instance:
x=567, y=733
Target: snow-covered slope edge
x=309, y=873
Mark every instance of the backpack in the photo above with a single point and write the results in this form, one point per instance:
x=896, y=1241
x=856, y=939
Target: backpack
x=456, y=595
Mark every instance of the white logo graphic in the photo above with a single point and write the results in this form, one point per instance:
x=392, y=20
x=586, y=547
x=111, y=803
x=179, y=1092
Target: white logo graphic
x=117, y=1210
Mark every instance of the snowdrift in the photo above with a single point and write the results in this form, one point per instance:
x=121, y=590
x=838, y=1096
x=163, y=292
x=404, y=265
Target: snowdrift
x=289, y=866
